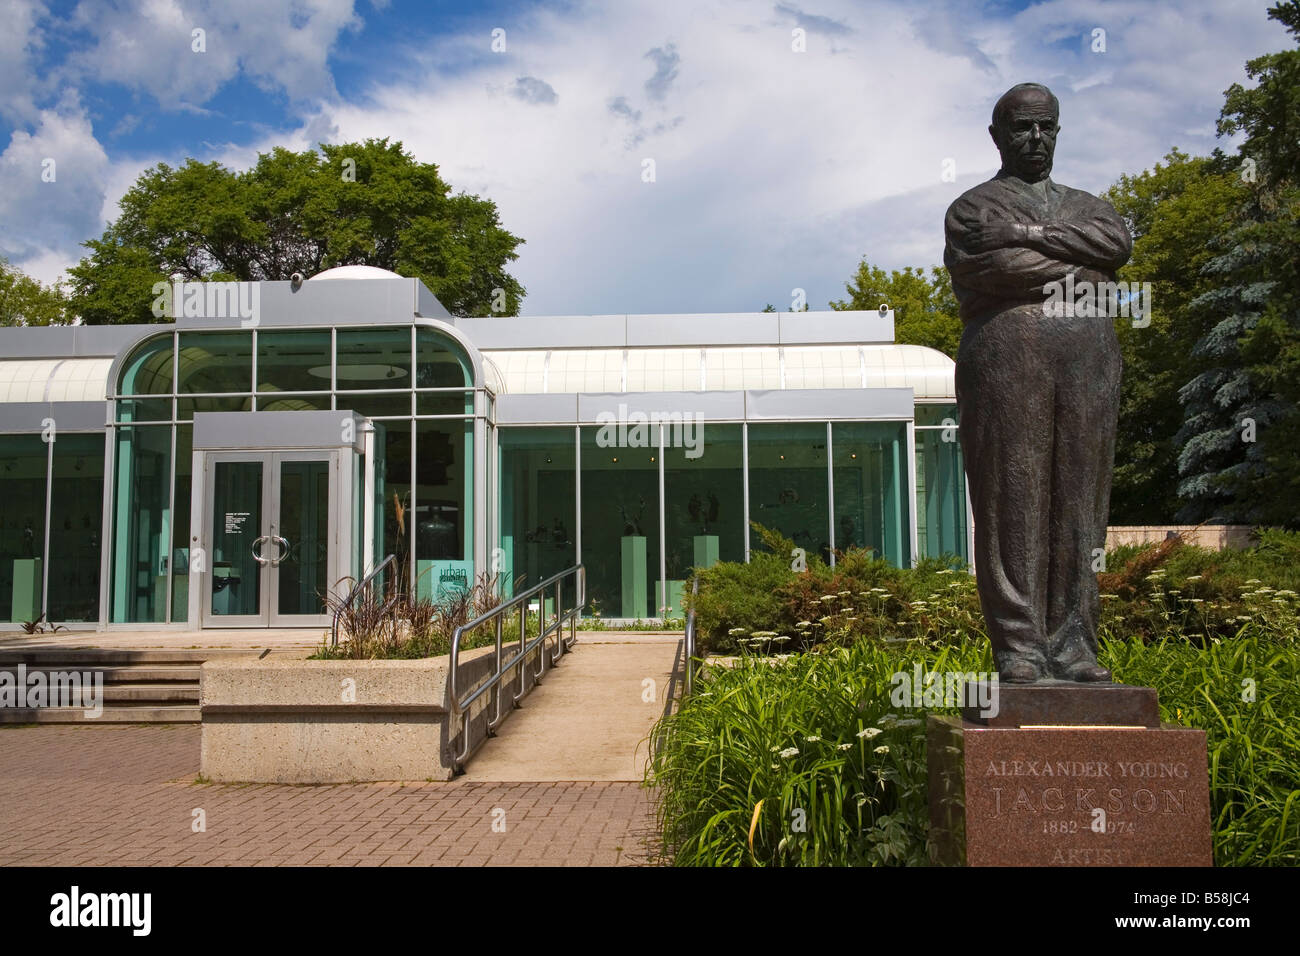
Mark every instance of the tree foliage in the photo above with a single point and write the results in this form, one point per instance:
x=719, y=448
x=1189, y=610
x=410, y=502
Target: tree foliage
x=925, y=309
x=28, y=301
x=364, y=203
x=1173, y=211
x=1239, y=457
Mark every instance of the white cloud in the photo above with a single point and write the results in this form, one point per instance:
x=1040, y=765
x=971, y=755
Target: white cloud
x=19, y=42
x=150, y=46
x=774, y=169
x=777, y=169
x=40, y=217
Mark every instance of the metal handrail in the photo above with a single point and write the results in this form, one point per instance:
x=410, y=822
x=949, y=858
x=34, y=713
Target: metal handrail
x=688, y=641
x=352, y=595
x=460, y=708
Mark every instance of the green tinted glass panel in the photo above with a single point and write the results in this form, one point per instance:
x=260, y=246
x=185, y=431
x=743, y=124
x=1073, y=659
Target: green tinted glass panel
x=787, y=484
x=236, y=526
x=620, y=522
x=149, y=369
x=304, y=522
x=141, y=523
x=538, y=507
x=23, y=460
x=181, y=526
x=940, y=495
x=293, y=361
x=216, y=362
x=144, y=409
x=374, y=358
x=379, y=406
x=444, y=403
x=703, y=501
x=935, y=414
x=444, y=512
x=76, y=530
x=186, y=407
x=393, y=528
x=293, y=403
x=870, y=489
x=441, y=363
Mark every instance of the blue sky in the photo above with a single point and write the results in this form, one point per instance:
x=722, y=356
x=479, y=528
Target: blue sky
x=775, y=169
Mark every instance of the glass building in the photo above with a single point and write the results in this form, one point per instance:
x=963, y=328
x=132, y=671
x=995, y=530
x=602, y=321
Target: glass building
x=237, y=466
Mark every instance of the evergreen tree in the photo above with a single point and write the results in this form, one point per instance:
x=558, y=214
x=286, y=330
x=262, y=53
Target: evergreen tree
x=1239, y=459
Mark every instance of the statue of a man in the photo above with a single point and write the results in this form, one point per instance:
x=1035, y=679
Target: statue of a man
x=1038, y=395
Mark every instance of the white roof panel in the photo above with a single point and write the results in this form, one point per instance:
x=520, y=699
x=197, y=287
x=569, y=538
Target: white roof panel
x=54, y=380
x=929, y=373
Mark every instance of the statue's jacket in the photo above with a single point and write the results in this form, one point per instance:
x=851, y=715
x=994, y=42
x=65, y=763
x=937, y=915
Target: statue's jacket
x=1082, y=236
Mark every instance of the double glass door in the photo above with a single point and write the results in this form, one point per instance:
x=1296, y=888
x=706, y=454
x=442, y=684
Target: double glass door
x=272, y=546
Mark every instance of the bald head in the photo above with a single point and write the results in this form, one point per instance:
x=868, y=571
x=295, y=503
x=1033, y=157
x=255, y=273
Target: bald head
x=1024, y=94
x=1024, y=129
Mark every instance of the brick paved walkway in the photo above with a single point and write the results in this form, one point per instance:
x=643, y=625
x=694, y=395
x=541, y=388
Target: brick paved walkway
x=126, y=795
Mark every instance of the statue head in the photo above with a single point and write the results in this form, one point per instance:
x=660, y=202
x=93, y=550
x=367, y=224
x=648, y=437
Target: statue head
x=1024, y=129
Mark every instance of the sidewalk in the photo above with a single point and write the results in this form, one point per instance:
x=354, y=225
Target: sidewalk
x=125, y=795
x=560, y=786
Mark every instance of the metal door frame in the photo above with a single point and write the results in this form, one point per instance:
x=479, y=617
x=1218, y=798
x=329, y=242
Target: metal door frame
x=268, y=579
x=334, y=561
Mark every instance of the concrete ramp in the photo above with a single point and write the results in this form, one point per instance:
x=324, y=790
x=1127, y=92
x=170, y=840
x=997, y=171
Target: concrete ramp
x=589, y=719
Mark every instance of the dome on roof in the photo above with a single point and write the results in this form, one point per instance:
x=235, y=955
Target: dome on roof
x=355, y=272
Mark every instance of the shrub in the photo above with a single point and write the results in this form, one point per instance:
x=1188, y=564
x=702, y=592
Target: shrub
x=768, y=737
x=1149, y=593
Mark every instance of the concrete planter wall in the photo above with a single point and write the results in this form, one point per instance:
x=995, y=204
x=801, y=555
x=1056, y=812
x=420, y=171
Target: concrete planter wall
x=1213, y=536
x=302, y=721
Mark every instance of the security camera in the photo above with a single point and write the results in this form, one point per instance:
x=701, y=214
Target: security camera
x=295, y=281
x=884, y=309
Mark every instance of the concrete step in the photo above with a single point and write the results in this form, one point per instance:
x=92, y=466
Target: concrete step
x=142, y=673
x=111, y=657
x=151, y=693
x=112, y=714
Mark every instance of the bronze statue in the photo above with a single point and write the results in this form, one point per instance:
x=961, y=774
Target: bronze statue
x=1038, y=395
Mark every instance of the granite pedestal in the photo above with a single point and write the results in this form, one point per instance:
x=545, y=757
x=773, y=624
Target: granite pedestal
x=1068, y=775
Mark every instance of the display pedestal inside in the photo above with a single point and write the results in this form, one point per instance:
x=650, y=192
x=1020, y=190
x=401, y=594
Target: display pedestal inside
x=706, y=550
x=675, y=589
x=1102, y=783
x=634, y=577
x=26, y=590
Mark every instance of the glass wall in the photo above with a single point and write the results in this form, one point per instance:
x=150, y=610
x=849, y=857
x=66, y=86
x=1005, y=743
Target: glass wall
x=291, y=362
x=870, y=469
x=701, y=490
x=76, y=528
x=141, y=524
x=74, y=474
x=620, y=522
x=788, y=486
x=393, y=495
x=538, y=480
x=23, y=463
x=704, y=497
x=941, y=521
x=444, y=507
x=415, y=380
x=181, y=526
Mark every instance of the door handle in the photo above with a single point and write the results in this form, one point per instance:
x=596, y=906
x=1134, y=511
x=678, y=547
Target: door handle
x=257, y=556
x=284, y=550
